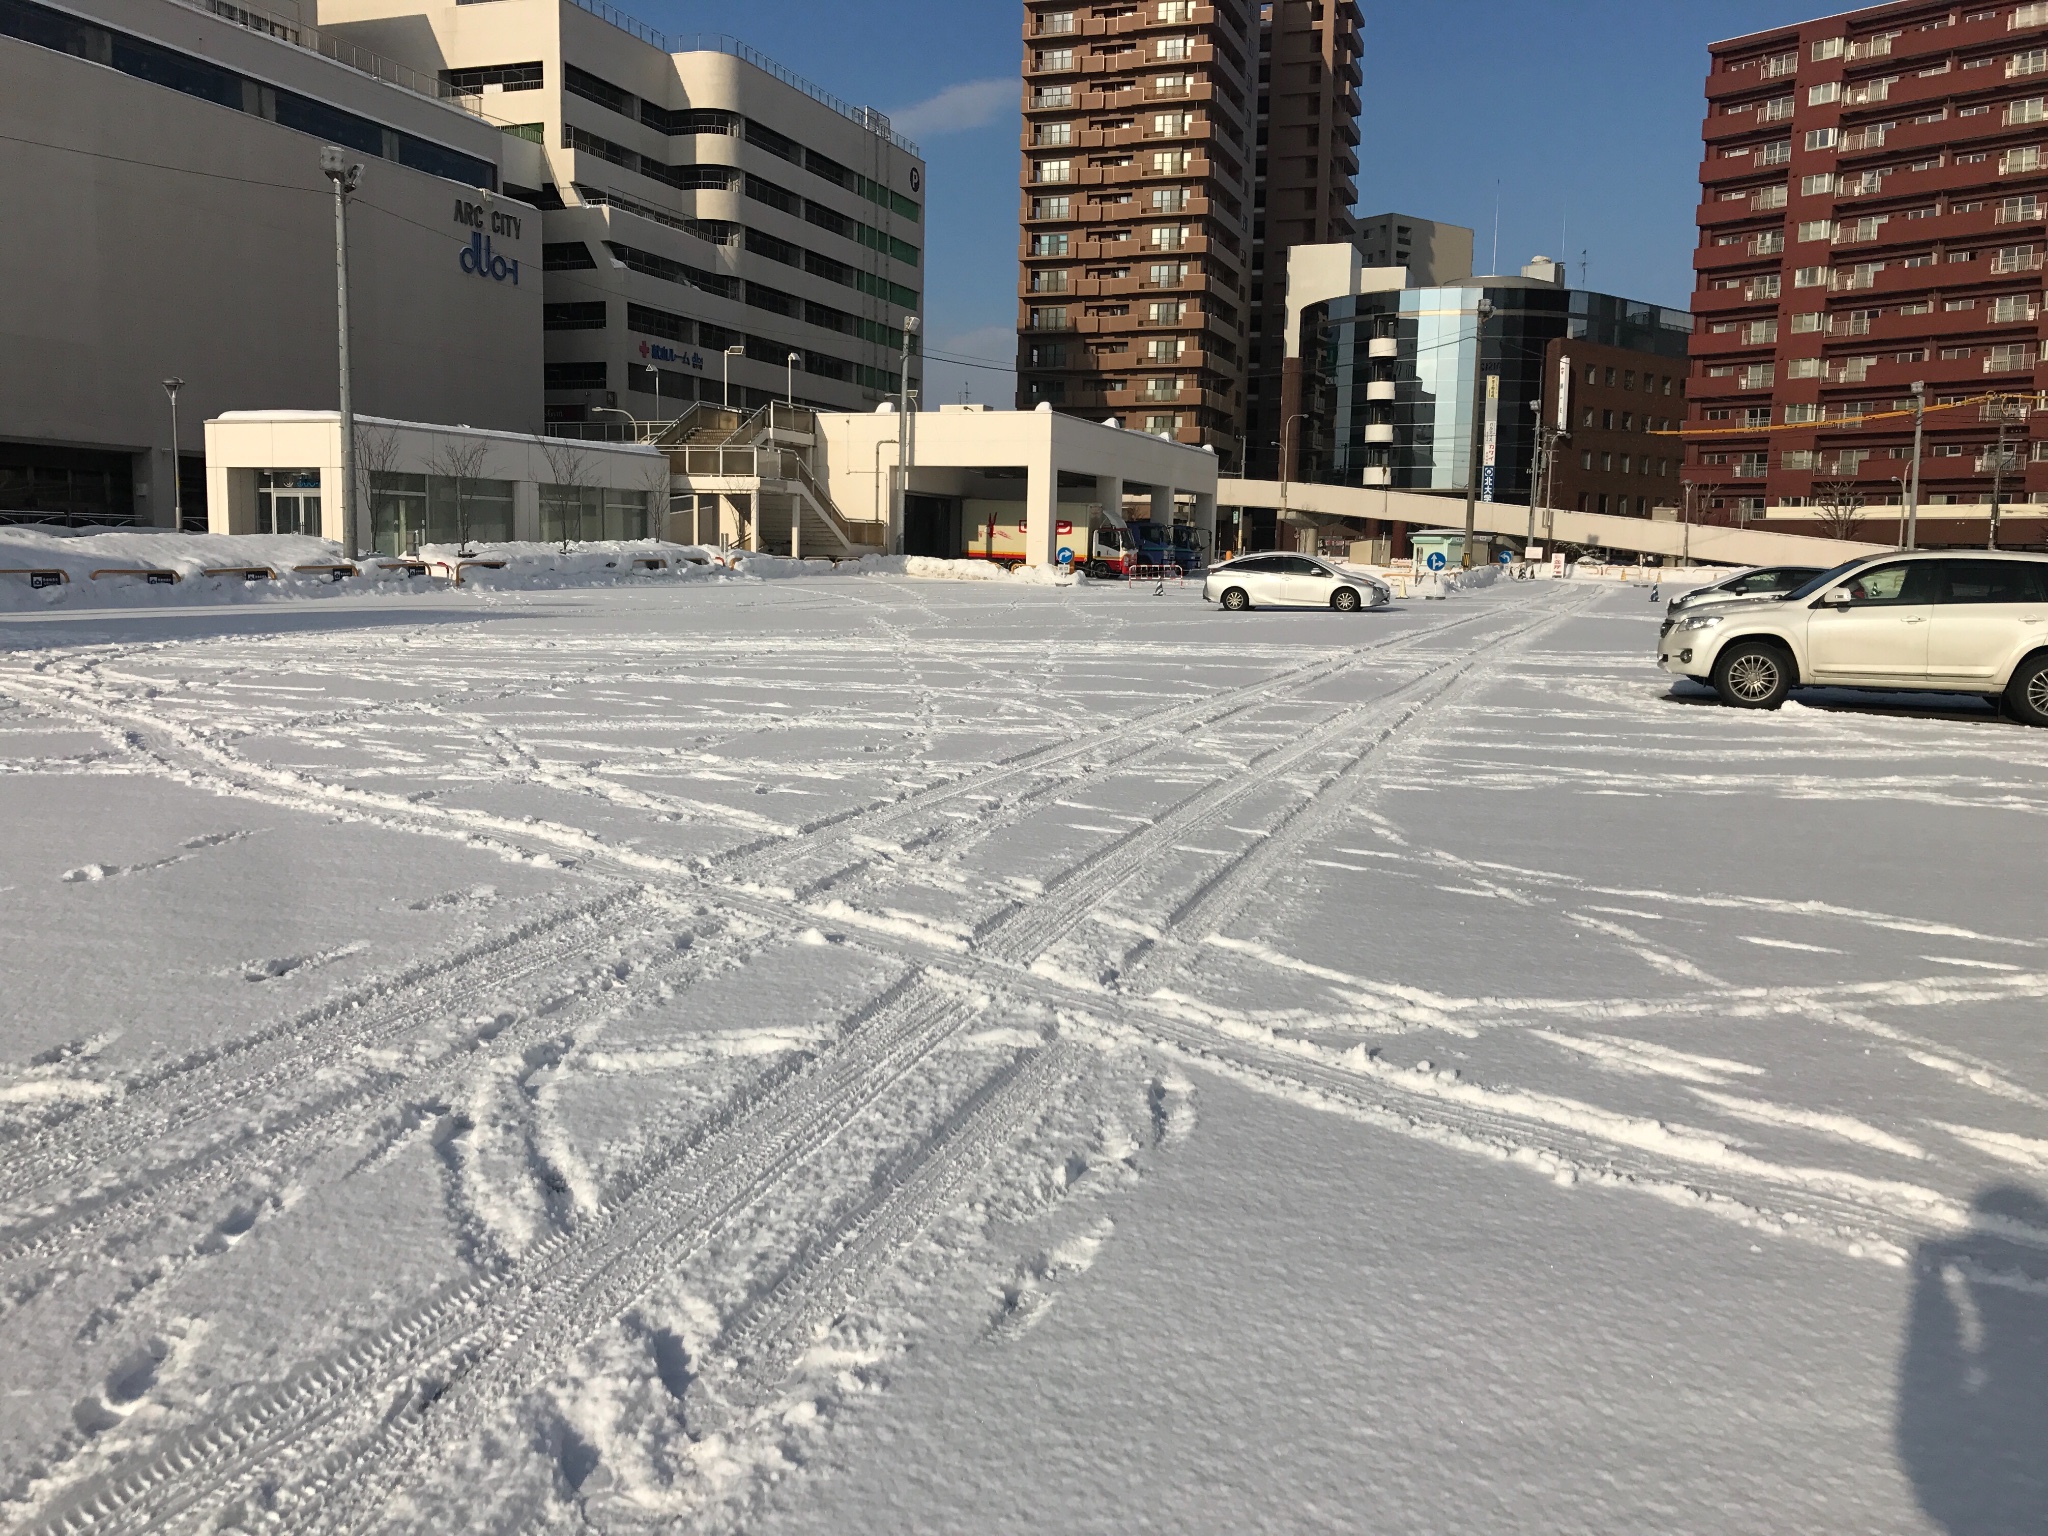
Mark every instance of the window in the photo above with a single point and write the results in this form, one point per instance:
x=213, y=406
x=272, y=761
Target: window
x=1777, y=152
x=1052, y=208
x=1054, y=96
x=1816, y=229
x=1828, y=48
x=566, y=256
x=1172, y=162
x=1607, y=462
x=1052, y=133
x=2031, y=110
x=1053, y=170
x=1821, y=138
x=1818, y=95
x=1055, y=22
x=1166, y=312
x=1906, y=581
x=1170, y=237
x=1049, y=244
x=1991, y=581
x=1822, y=185
x=1051, y=318
x=1054, y=281
x=1172, y=125
x=1056, y=60
x=1810, y=277
x=573, y=317
x=1168, y=274
x=1585, y=458
x=1809, y=321
x=1802, y=367
x=1607, y=421
x=509, y=77
x=1768, y=197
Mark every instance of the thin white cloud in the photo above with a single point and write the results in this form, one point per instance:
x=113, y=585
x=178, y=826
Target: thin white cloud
x=970, y=104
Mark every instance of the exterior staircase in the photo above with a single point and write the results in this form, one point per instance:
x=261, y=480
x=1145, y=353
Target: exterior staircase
x=715, y=451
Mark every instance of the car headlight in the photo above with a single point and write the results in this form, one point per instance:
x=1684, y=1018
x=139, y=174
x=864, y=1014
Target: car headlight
x=1700, y=621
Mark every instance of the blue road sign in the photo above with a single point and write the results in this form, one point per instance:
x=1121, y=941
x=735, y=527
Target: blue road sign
x=1066, y=555
x=1436, y=560
x=1507, y=557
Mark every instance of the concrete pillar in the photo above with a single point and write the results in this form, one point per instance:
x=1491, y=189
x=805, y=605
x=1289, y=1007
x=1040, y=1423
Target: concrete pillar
x=796, y=528
x=526, y=511
x=1041, y=510
x=1109, y=490
x=1162, y=505
x=750, y=508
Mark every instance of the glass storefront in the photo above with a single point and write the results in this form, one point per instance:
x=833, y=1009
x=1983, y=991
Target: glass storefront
x=398, y=513
x=288, y=501
x=579, y=513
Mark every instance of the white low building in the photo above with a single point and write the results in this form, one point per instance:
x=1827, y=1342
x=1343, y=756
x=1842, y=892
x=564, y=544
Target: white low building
x=280, y=472
x=1018, y=487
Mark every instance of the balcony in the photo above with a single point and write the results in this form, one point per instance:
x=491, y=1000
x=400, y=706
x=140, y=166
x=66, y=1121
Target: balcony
x=1379, y=389
x=1721, y=258
x=2017, y=360
x=1870, y=48
x=1383, y=346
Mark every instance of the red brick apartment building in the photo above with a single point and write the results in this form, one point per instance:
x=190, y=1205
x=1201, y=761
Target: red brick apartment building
x=1872, y=205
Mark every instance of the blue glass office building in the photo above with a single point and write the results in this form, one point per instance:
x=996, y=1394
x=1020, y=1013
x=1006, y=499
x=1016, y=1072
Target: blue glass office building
x=1388, y=382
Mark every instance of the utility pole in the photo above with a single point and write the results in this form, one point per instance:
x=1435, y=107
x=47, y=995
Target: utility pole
x=1485, y=313
x=906, y=440
x=2004, y=408
x=1913, y=489
x=346, y=178
x=1536, y=475
x=171, y=388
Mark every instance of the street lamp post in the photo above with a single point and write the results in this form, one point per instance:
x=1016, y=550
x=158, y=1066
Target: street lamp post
x=906, y=439
x=171, y=388
x=346, y=178
x=790, y=389
x=1484, y=313
x=1285, y=448
x=725, y=368
x=2004, y=408
x=613, y=410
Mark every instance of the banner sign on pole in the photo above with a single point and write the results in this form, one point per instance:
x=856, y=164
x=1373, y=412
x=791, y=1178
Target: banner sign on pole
x=1564, y=394
x=1487, y=460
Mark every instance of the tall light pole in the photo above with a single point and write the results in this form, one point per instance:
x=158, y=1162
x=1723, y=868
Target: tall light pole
x=1913, y=489
x=346, y=178
x=1484, y=313
x=725, y=367
x=2003, y=406
x=790, y=389
x=1535, y=475
x=171, y=388
x=906, y=439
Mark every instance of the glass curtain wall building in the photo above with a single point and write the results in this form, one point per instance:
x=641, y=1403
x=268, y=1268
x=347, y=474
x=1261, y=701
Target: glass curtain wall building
x=1388, y=388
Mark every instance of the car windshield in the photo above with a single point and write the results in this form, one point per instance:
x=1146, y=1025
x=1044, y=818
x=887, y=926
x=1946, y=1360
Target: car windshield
x=1814, y=583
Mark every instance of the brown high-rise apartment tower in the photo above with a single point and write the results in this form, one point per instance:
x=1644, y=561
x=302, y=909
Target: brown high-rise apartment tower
x=1303, y=184
x=1145, y=128
x=1871, y=218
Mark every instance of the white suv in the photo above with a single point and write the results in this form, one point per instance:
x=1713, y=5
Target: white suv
x=1954, y=621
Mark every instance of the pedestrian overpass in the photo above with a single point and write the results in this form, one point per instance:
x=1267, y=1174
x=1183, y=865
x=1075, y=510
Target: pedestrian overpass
x=1301, y=501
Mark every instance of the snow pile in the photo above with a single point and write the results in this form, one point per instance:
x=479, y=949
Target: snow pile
x=926, y=567
x=52, y=568
x=519, y=565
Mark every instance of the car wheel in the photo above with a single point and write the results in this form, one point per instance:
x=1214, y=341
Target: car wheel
x=1752, y=674
x=1344, y=600
x=1235, y=600
x=2026, y=696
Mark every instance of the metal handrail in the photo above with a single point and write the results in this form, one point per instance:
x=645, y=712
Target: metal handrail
x=296, y=34
x=720, y=42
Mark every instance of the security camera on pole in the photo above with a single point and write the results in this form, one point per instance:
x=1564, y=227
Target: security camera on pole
x=346, y=178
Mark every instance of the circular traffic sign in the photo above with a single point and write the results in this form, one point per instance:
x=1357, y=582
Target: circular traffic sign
x=1436, y=560
x=1066, y=556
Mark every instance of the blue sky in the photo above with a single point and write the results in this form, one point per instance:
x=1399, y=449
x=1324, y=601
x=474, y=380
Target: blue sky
x=1579, y=120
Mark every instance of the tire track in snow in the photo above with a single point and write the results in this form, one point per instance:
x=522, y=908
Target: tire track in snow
x=482, y=1343
x=1023, y=933
x=920, y=821
x=279, y=1142
x=160, y=1100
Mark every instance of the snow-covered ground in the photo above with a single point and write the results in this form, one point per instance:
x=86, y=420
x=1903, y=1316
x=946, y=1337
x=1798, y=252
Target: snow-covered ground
x=858, y=1054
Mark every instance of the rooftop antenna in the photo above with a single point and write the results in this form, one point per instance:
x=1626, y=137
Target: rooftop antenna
x=1493, y=263
x=1582, y=268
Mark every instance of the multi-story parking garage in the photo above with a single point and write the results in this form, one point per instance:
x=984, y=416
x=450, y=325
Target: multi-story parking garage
x=714, y=224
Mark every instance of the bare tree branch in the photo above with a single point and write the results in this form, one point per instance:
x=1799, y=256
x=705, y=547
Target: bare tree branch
x=460, y=460
x=1838, y=508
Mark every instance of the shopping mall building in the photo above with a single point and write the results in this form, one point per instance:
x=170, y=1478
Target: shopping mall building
x=561, y=217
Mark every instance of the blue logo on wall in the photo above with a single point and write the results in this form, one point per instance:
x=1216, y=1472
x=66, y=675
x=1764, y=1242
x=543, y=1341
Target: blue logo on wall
x=663, y=354
x=479, y=258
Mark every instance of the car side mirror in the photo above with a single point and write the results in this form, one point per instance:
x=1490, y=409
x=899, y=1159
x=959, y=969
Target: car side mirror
x=1836, y=597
